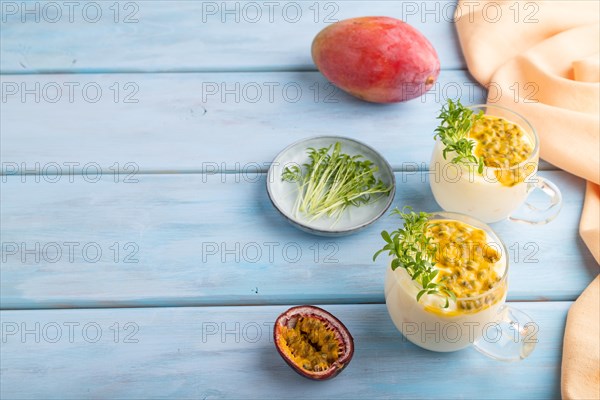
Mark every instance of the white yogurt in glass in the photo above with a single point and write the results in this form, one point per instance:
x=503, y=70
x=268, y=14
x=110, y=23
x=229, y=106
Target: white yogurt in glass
x=426, y=323
x=460, y=188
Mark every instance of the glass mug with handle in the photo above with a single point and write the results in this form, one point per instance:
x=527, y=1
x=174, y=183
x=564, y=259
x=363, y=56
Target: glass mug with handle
x=482, y=320
x=510, y=148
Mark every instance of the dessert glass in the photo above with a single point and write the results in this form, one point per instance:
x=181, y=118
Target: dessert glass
x=484, y=321
x=460, y=188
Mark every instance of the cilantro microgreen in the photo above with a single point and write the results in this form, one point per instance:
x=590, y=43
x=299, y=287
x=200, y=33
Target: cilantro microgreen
x=414, y=251
x=457, y=121
x=333, y=181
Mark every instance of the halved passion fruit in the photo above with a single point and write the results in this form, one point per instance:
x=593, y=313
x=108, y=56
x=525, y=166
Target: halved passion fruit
x=313, y=342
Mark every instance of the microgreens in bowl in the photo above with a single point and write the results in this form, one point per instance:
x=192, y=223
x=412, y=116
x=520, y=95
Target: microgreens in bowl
x=332, y=181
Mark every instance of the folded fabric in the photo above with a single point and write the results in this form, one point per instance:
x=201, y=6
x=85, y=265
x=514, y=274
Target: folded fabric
x=493, y=32
x=542, y=59
x=580, y=375
x=544, y=65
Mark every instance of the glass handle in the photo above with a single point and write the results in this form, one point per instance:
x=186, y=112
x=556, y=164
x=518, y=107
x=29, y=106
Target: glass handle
x=511, y=338
x=531, y=214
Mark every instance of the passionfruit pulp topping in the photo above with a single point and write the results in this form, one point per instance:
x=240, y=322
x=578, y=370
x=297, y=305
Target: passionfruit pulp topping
x=313, y=342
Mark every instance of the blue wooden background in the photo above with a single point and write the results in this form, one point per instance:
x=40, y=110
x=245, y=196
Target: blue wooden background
x=141, y=257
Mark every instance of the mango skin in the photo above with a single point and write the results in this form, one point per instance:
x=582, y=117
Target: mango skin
x=377, y=59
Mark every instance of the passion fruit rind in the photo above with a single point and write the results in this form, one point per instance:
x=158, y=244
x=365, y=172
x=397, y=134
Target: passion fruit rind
x=313, y=342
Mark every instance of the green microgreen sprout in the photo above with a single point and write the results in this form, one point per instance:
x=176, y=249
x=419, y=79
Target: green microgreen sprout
x=456, y=123
x=332, y=181
x=414, y=251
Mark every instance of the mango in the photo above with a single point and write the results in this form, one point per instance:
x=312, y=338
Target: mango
x=377, y=59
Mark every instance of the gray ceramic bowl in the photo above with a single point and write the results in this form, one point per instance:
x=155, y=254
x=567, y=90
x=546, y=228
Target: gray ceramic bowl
x=283, y=195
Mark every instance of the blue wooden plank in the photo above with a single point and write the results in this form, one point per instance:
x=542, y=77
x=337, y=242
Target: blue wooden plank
x=225, y=352
x=215, y=239
x=203, y=122
x=194, y=36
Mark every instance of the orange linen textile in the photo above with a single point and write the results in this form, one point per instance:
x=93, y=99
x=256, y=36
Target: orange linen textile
x=541, y=59
x=580, y=372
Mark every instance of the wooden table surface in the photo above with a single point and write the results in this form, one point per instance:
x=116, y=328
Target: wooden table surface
x=141, y=257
